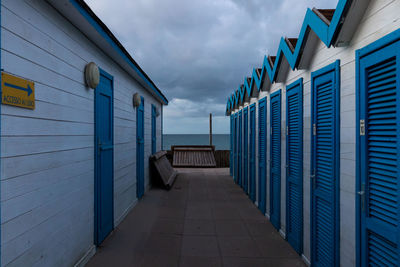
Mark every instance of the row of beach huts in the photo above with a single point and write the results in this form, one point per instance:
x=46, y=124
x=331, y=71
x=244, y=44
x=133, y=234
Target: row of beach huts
x=315, y=135
x=79, y=121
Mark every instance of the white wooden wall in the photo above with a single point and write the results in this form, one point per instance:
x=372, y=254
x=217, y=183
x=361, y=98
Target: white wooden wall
x=381, y=18
x=47, y=155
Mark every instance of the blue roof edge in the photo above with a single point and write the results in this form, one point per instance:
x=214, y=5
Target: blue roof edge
x=326, y=33
x=102, y=29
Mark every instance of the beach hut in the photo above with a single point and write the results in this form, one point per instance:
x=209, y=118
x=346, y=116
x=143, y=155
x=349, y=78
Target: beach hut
x=327, y=152
x=79, y=120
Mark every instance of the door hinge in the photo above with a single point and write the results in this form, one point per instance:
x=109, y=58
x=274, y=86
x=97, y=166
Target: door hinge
x=362, y=127
x=361, y=193
x=314, y=129
x=287, y=130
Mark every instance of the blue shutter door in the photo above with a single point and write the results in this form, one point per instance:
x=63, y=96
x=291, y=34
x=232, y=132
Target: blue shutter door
x=245, y=149
x=252, y=189
x=140, y=150
x=275, y=163
x=379, y=157
x=235, y=147
x=153, y=129
x=231, y=151
x=104, y=151
x=294, y=165
x=262, y=116
x=325, y=166
x=240, y=154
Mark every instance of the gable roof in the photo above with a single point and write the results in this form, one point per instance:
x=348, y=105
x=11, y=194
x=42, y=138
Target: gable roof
x=327, y=24
x=81, y=16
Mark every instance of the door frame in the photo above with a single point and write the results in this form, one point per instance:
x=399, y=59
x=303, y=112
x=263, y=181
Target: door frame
x=240, y=149
x=262, y=101
x=138, y=151
x=153, y=129
x=246, y=149
x=272, y=196
x=335, y=66
x=253, y=169
x=360, y=53
x=96, y=161
x=291, y=86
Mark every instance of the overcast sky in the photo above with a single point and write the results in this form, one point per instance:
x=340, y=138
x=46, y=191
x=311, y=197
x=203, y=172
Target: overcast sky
x=198, y=51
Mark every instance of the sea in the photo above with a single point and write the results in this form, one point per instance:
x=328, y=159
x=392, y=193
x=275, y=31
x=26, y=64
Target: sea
x=220, y=141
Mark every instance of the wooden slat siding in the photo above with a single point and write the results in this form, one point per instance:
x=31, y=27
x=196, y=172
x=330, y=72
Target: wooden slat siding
x=193, y=156
x=381, y=18
x=53, y=145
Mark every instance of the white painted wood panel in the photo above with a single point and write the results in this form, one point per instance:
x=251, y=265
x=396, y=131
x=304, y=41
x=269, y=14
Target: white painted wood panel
x=47, y=154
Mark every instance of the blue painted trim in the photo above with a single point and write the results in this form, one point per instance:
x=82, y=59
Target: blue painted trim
x=162, y=127
x=327, y=34
x=253, y=145
x=360, y=53
x=153, y=129
x=297, y=84
x=275, y=217
x=94, y=21
x=262, y=181
x=335, y=66
x=96, y=185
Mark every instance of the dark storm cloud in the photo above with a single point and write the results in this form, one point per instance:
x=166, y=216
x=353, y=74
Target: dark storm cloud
x=199, y=51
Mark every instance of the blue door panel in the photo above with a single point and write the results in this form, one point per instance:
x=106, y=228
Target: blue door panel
x=245, y=149
x=140, y=150
x=235, y=141
x=294, y=165
x=325, y=145
x=231, y=148
x=275, y=159
x=378, y=156
x=262, y=148
x=104, y=150
x=240, y=152
x=252, y=186
x=153, y=129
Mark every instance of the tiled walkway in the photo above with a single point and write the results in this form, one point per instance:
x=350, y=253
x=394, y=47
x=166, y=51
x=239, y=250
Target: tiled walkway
x=204, y=220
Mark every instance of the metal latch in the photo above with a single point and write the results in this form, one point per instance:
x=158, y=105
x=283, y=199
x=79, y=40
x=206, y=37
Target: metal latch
x=362, y=127
x=313, y=179
x=287, y=130
x=314, y=129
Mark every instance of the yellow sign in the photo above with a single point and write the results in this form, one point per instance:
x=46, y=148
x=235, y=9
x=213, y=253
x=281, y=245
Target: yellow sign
x=17, y=91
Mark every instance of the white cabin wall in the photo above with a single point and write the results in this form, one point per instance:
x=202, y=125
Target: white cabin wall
x=47, y=164
x=380, y=19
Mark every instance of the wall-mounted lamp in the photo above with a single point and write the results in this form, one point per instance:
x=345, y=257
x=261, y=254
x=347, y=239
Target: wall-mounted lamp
x=92, y=75
x=157, y=112
x=136, y=100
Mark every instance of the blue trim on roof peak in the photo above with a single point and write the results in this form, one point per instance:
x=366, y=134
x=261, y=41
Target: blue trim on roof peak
x=326, y=33
x=102, y=29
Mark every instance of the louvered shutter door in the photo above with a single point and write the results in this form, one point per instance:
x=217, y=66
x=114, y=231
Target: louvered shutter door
x=275, y=156
x=245, y=148
x=325, y=154
x=240, y=154
x=379, y=99
x=153, y=130
x=261, y=157
x=252, y=190
x=235, y=166
x=294, y=162
x=231, y=150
